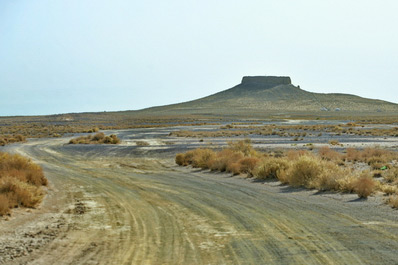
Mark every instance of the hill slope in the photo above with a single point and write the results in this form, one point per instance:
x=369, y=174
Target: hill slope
x=270, y=94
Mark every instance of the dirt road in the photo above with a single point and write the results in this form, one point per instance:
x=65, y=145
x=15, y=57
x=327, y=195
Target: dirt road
x=131, y=205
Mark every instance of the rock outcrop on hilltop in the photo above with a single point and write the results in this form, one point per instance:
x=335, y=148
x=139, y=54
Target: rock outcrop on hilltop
x=265, y=81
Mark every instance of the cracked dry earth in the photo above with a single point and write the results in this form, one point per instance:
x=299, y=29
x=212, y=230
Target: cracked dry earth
x=131, y=205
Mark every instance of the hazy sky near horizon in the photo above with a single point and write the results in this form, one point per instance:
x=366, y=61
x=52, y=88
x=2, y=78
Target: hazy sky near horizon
x=92, y=55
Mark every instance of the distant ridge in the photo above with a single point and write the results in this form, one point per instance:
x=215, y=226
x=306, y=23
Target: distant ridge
x=273, y=94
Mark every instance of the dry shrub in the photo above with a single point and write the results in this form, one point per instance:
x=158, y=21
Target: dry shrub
x=233, y=168
x=388, y=189
x=347, y=183
x=99, y=138
x=334, y=142
x=328, y=154
x=21, y=168
x=223, y=159
x=247, y=165
x=244, y=146
x=141, y=143
x=312, y=172
x=20, y=193
x=364, y=185
x=391, y=175
x=188, y=158
x=201, y=158
x=180, y=159
x=295, y=154
x=4, y=205
x=304, y=170
x=330, y=177
x=374, y=156
x=112, y=139
x=297, y=168
x=20, y=182
x=393, y=201
x=270, y=168
x=353, y=155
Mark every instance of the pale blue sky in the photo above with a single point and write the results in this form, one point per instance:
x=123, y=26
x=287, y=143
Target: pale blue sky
x=59, y=56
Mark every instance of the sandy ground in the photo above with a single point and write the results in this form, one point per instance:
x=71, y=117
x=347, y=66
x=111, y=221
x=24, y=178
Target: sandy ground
x=128, y=204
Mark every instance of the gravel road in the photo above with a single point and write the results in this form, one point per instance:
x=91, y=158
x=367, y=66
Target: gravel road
x=130, y=204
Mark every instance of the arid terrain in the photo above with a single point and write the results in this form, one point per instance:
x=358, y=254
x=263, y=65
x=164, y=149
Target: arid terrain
x=130, y=204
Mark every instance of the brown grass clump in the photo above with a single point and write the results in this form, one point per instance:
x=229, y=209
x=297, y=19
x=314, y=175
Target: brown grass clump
x=99, y=138
x=20, y=182
x=364, y=185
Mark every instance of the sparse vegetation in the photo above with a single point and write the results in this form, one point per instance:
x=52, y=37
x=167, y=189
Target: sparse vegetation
x=8, y=139
x=20, y=183
x=142, y=143
x=334, y=142
x=364, y=185
x=17, y=129
x=325, y=169
x=393, y=201
x=99, y=138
